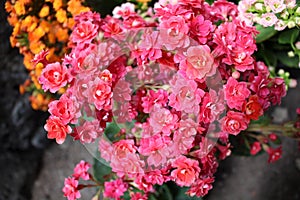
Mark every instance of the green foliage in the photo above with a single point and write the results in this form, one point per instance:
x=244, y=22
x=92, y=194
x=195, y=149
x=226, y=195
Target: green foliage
x=102, y=172
x=111, y=131
x=288, y=36
x=264, y=33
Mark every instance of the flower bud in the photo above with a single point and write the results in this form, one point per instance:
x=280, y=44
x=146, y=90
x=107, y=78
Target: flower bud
x=297, y=44
x=291, y=24
x=297, y=11
x=285, y=15
x=291, y=54
x=259, y=6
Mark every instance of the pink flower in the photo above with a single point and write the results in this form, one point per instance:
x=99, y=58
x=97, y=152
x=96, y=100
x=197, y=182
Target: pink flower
x=125, y=112
x=184, y=137
x=124, y=11
x=115, y=189
x=54, y=76
x=88, y=16
x=268, y=19
x=138, y=196
x=198, y=64
x=224, y=10
x=150, y=47
x=236, y=93
x=70, y=189
x=112, y=28
x=173, y=33
x=130, y=165
x=155, y=177
x=276, y=6
x=186, y=171
x=41, y=58
x=255, y=148
x=278, y=90
x=100, y=94
x=155, y=148
x=185, y=95
x=201, y=29
x=122, y=91
x=160, y=97
x=143, y=184
x=212, y=106
x=57, y=129
x=201, y=187
x=274, y=154
x=88, y=131
x=81, y=170
x=84, y=32
x=234, y=122
x=105, y=148
x=66, y=108
x=162, y=120
x=165, y=10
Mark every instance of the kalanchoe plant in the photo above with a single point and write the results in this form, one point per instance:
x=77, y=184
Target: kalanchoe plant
x=160, y=91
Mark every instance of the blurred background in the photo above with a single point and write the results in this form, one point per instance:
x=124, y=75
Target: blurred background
x=34, y=167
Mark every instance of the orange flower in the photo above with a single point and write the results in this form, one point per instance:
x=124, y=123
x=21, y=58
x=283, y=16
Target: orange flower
x=36, y=34
x=62, y=34
x=20, y=8
x=57, y=4
x=8, y=7
x=61, y=16
x=75, y=7
x=143, y=1
x=71, y=23
x=44, y=11
x=36, y=46
x=27, y=60
x=45, y=25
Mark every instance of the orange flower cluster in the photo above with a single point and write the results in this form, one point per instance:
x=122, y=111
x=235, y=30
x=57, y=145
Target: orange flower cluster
x=38, y=25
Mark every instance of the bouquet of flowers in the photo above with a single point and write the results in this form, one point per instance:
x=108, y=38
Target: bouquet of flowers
x=160, y=91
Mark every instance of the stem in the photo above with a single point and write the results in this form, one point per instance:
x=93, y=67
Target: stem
x=287, y=129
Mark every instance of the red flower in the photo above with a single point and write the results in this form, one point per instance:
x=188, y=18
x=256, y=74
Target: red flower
x=234, y=122
x=274, y=154
x=255, y=148
x=253, y=109
x=57, y=129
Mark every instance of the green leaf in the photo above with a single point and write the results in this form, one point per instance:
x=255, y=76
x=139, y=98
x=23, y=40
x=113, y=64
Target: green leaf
x=164, y=193
x=111, y=130
x=263, y=120
x=101, y=171
x=264, y=33
x=182, y=196
x=288, y=36
x=286, y=60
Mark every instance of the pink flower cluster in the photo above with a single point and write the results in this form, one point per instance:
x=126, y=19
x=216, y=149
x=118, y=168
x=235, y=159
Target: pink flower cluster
x=71, y=186
x=268, y=13
x=173, y=84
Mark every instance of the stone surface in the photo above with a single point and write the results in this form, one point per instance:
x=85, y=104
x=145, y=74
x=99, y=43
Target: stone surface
x=58, y=163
